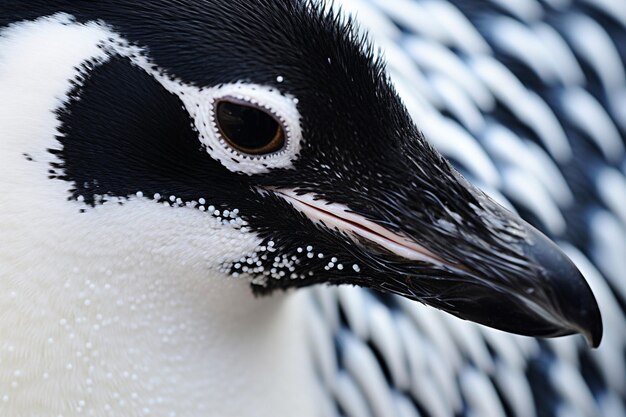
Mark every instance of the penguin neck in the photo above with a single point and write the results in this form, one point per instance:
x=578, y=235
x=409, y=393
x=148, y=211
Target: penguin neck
x=123, y=340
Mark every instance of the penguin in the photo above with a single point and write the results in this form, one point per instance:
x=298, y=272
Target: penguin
x=174, y=173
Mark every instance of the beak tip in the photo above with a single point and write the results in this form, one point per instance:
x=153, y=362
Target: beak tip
x=591, y=325
x=575, y=300
x=594, y=337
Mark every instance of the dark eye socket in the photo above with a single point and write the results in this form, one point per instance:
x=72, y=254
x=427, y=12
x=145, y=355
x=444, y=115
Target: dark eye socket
x=247, y=128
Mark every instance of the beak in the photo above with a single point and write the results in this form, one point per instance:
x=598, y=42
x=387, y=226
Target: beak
x=493, y=268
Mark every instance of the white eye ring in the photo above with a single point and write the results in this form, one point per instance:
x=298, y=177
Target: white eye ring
x=282, y=108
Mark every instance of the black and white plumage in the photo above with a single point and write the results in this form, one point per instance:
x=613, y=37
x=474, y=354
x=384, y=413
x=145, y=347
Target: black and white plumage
x=133, y=212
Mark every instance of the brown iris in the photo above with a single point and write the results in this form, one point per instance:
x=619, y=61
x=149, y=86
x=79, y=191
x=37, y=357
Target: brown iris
x=248, y=128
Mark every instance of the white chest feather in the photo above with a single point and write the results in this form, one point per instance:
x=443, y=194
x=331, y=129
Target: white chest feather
x=122, y=310
x=132, y=342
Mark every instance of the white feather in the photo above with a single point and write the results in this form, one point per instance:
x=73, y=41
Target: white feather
x=460, y=33
x=361, y=364
x=329, y=306
x=611, y=405
x=588, y=115
x=550, y=175
x=521, y=42
x=371, y=22
x=608, y=237
x=414, y=17
x=434, y=57
x=562, y=60
x=613, y=8
x=467, y=337
x=617, y=106
x=321, y=341
x=569, y=383
x=526, y=10
x=405, y=407
x=504, y=145
x=526, y=105
x=350, y=397
x=505, y=348
x=353, y=303
x=611, y=185
x=455, y=142
x=595, y=46
x=481, y=396
x=458, y=103
x=442, y=396
x=430, y=322
x=400, y=65
x=516, y=389
x=385, y=337
x=430, y=397
x=528, y=192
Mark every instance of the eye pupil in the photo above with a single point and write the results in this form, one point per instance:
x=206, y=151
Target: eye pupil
x=248, y=128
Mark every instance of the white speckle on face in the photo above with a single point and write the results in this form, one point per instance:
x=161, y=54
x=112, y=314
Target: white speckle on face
x=280, y=79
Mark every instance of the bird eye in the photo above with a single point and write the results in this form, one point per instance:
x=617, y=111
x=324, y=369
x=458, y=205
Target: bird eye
x=248, y=128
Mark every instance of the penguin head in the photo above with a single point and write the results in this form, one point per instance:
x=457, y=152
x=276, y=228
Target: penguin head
x=271, y=130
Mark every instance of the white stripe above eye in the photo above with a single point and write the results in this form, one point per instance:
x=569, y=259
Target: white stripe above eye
x=200, y=104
